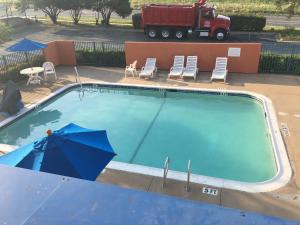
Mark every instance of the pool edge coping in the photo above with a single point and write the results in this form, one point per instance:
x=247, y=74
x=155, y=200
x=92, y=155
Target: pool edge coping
x=284, y=170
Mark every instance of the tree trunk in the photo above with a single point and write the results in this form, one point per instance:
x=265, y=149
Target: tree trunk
x=53, y=18
x=76, y=15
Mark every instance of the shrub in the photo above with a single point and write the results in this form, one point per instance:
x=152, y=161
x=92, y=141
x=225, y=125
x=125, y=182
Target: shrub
x=101, y=58
x=279, y=63
x=136, y=20
x=247, y=23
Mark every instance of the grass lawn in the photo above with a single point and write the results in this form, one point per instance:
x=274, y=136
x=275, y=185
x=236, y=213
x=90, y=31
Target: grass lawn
x=225, y=6
x=285, y=34
x=5, y=32
x=90, y=20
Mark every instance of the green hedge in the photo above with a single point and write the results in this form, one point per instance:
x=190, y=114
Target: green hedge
x=12, y=72
x=247, y=23
x=278, y=63
x=136, y=20
x=100, y=58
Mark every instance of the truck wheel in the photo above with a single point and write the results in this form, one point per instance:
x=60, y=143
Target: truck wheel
x=220, y=35
x=165, y=33
x=152, y=33
x=179, y=34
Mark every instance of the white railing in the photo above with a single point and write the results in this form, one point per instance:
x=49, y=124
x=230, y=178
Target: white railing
x=77, y=77
x=78, y=80
x=166, y=169
x=188, y=187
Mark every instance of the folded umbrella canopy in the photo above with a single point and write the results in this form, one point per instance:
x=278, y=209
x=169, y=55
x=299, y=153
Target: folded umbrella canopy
x=26, y=45
x=71, y=151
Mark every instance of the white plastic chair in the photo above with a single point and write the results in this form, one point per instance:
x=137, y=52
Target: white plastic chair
x=131, y=69
x=149, y=69
x=178, y=66
x=49, y=69
x=191, y=69
x=220, y=72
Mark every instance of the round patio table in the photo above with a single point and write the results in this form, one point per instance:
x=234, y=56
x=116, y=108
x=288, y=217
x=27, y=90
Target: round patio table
x=33, y=73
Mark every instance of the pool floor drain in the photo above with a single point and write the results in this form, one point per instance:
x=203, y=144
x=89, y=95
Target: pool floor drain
x=285, y=129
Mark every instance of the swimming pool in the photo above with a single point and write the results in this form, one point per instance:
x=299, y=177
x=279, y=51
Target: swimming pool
x=226, y=135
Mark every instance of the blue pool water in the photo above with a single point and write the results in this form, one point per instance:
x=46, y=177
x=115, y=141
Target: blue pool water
x=223, y=136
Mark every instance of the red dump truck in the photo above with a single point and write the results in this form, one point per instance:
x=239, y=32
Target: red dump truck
x=166, y=21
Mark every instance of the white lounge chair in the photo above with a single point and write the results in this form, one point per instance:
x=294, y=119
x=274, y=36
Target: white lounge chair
x=191, y=69
x=178, y=67
x=220, y=72
x=49, y=69
x=149, y=69
x=131, y=69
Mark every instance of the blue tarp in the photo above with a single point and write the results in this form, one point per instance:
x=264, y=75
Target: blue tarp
x=71, y=151
x=31, y=198
x=26, y=45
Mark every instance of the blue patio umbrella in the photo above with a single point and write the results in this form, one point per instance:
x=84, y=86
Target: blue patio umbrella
x=71, y=151
x=26, y=45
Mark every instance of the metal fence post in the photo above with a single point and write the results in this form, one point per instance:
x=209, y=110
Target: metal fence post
x=291, y=58
x=4, y=62
x=102, y=44
x=94, y=44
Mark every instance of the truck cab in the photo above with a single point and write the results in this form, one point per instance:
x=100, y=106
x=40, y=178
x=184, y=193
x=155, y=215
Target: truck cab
x=212, y=25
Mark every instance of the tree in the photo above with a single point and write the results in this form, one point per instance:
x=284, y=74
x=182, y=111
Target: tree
x=288, y=6
x=76, y=7
x=107, y=7
x=22, y=6
x=8, y=5
x=50, y=7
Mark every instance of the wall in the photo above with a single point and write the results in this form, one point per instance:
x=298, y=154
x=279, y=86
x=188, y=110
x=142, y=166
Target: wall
x=248, y=61
x=61, y=53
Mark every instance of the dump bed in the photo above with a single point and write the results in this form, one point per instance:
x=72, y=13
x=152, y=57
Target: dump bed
x=169, y=15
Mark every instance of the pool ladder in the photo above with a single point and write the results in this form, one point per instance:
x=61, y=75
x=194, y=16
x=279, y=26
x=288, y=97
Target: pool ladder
x=77, y=77
x=78, y=80
x=188, y=185
x=166, y=170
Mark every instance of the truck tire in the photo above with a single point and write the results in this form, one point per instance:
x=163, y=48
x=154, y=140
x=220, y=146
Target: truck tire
x=152, y=33
x=165, y=33
x=180, y=34
x=220, y=35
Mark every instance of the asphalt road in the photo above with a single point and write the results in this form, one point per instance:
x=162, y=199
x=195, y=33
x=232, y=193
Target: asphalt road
x=45, y=33
x=271, y=20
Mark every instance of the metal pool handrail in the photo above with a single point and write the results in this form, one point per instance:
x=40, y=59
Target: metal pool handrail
x=78, y=80
x=166, y=169
x=77, y=77
x=188, y=188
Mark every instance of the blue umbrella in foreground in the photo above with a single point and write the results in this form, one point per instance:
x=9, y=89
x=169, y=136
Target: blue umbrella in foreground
x=71, y=151
x=26, y=45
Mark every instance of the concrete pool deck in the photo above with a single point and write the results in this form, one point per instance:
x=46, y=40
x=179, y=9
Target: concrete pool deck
x=284, y=91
